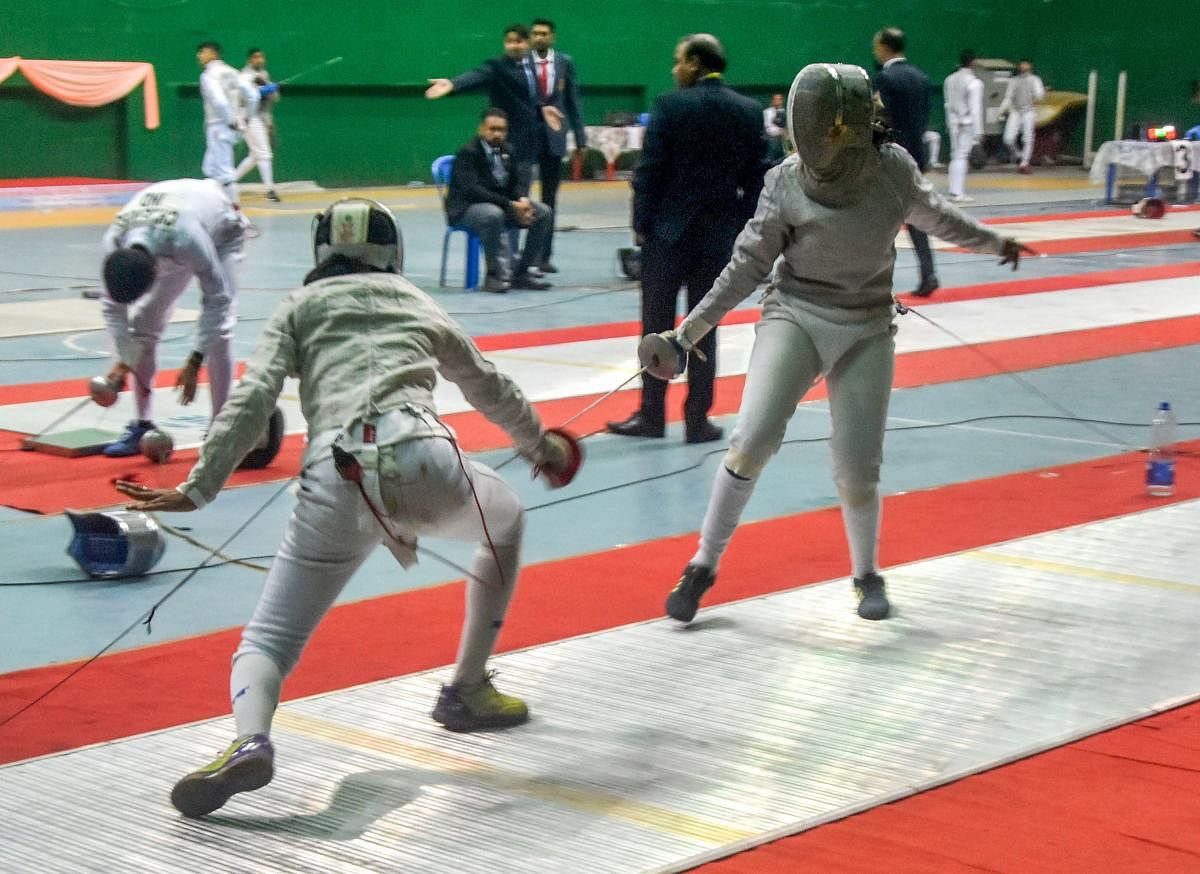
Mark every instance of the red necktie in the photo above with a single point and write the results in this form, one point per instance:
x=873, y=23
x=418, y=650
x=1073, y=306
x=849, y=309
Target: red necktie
x=543, y=84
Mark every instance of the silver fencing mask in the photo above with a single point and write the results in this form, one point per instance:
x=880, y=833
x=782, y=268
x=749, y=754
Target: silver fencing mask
x=830, y=112
x=115, y=544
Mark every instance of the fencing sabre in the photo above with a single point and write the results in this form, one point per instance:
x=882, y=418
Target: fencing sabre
x=312, y=69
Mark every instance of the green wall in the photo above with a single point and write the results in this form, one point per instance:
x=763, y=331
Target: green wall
x=364, y=120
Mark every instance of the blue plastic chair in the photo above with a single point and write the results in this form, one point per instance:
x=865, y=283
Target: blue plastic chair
x=441, y=178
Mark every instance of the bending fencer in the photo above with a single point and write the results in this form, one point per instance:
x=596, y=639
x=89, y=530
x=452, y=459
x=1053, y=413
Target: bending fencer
x=170, y=232
x=367, y=346
x=829, y=214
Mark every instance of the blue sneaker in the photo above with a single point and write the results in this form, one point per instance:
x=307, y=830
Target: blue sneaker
x=129, y=443
x=246, y=764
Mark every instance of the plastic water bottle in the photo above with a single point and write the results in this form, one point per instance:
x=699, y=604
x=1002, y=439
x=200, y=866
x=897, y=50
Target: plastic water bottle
x=1160, y=467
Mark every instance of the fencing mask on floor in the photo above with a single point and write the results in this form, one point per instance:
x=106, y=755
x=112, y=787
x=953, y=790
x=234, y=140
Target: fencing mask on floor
x=115, y=544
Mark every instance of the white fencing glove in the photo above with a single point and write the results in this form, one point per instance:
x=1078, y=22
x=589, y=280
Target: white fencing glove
x=663, y=355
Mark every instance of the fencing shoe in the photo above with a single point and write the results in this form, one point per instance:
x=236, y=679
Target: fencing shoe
x=247, y=764
x=872, y=597
x=129, y=443
x=684, y=600
x=474, y=706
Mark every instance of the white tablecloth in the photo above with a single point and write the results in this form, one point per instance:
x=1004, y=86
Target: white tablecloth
x=611, y=141
x=1145, y=158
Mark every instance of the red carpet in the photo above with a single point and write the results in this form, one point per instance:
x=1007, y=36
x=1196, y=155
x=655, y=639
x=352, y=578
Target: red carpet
x=53, y=484
x=181, y=681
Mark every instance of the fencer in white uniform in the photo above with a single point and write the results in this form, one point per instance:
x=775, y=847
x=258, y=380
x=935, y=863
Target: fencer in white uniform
x=964, y=120
x=1023, y=91
x=367, y=346
x=824, y=232
x=225, y=95
x=256, y=134
x=167, y=234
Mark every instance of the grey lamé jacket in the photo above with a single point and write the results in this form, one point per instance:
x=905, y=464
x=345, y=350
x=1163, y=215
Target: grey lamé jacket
x=362, y=345
x=833, y=259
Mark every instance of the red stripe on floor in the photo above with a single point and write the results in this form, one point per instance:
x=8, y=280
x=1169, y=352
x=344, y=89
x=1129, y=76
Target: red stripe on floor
x=74, y=388
x=180, y=681
x=1079, y=245
x=1070, y=216
x=53, y=484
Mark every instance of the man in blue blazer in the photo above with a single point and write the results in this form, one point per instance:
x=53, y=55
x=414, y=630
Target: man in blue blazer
x=904, y=91
x=511, y=87
x=557, y=87
x=702, y=166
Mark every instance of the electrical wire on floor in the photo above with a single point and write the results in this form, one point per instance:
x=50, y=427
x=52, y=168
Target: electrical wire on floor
x=148, y=616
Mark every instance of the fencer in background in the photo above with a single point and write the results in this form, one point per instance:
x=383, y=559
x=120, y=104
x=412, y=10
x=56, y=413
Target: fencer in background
x=225, y=96
x=964, y=120
x=1023, y=91
x=260, y=94
x=168, y=233
x=256, y=66
x=367, y=346
x=824, y=234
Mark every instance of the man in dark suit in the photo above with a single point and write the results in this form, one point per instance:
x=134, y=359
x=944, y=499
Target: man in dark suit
x=698, y=182
x=904, y=91
x=511, y=87
x=554, y=75
x=484, y=195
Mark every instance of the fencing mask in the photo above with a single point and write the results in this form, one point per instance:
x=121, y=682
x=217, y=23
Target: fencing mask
x=361, y=229
x=831, y=114
x=115, y=544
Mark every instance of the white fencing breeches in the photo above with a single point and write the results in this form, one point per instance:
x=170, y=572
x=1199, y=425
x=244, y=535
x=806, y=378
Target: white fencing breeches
x=259, y=143
x=1021, y=121
x=962, y=138
x=218, y=157
x=148, y=317
x=332, y=531
x=784, y=364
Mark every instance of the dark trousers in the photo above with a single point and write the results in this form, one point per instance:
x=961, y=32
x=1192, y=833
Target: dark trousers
x=549, y=176
x=920, y=241
x=491, y=224
x=695, y=263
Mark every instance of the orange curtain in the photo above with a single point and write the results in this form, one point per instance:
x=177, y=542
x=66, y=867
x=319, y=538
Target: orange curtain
x=89, y=83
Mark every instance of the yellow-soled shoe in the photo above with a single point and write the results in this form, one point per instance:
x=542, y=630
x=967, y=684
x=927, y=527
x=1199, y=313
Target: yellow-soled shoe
x=246, y=764
x=463, y=707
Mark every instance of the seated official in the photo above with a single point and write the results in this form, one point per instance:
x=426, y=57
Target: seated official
x=484, y=196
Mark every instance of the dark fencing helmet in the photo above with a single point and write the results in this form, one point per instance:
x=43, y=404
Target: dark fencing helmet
x=128, y=273
x=359, y=229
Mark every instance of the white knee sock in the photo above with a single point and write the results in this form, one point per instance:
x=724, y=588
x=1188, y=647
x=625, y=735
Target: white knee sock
x=254, y=686
x=487, y=602
x=861, y=519
x=243, y=168
x=265, y=171
x=220, y=366
x=729, y=497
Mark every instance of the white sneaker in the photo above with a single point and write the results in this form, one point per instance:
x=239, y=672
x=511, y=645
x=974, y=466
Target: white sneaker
x=961, y=198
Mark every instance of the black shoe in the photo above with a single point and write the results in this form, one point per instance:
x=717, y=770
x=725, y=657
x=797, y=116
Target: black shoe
x=703, y=432
x=495, y=284
x=638, y=425
x=927, y=287
x=873, y=601
x=529, y=281
x=547, y=267
x=272, y=196
x=684, y=600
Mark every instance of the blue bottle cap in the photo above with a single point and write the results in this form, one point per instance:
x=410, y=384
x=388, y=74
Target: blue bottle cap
x=1165, y=405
